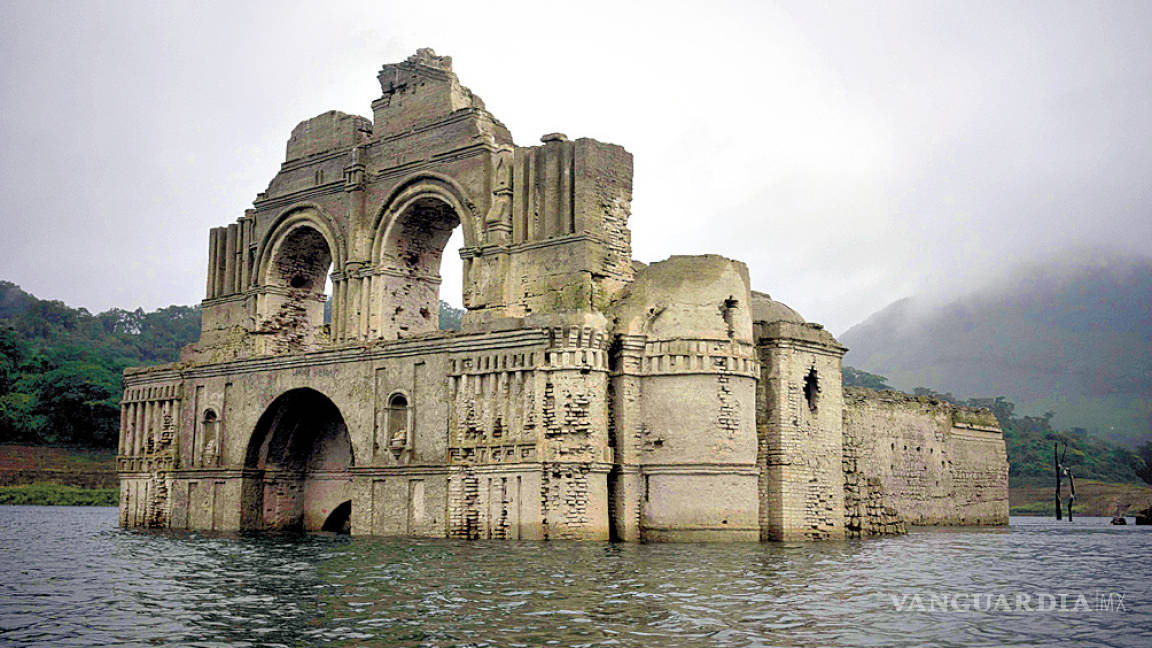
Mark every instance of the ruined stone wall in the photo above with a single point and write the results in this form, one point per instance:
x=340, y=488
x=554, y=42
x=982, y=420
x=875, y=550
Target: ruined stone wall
x=927, y=461
x=544, y=406
x=147, y=453
x=587, y=393
x=868, y=510
x=499, y=436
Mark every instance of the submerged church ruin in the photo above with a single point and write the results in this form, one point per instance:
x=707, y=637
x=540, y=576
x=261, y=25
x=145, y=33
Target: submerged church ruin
x=587, y=396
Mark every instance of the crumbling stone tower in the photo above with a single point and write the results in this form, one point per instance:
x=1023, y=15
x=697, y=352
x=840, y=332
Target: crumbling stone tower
x=587, y=396
x=801, y=406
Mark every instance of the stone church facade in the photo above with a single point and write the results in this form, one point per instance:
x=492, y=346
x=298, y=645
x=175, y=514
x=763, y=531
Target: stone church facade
x=587, y=396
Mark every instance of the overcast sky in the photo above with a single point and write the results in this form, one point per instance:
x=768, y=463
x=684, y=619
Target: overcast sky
x=851, y=153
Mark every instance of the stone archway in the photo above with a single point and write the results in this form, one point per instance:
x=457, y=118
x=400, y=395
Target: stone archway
x=294, y=268
x=297, y=467
x=408, y=256
x=340, y=519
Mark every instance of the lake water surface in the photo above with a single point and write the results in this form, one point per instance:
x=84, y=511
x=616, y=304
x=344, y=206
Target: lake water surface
x=69, y=577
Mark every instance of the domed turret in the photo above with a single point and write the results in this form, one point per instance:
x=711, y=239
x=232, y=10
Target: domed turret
x=767, y=310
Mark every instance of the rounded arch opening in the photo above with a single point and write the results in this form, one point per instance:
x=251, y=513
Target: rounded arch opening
x=300, y=260
x=298, y=462
x=412, y=243
x=292, y=218
x=421, y=187
x=301, y=430
x=340, y=519
x=295, y=301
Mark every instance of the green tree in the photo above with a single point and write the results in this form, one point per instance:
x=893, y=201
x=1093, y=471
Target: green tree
x=12, y=354
x=853, y=377
x=450, y=317
x=61, y=367
x=80, y=403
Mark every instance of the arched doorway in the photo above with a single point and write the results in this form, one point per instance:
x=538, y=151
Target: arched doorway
x=297, y=468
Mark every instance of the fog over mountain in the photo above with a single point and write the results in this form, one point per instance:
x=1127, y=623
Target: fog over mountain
x=1071, y=335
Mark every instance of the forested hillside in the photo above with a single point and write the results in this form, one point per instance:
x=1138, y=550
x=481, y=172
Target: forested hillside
x=61, y=367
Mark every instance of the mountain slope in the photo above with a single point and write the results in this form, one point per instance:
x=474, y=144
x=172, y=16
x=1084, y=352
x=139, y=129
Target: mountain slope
x=1072, y=336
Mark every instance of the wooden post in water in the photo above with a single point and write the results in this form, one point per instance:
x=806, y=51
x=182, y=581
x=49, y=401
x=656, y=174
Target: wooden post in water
x=1072, y=496
x=1056, y=466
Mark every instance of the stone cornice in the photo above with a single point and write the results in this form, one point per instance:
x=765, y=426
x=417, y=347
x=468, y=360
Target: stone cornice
x=712, y=468
x=466, y=343
x=279, y=201
x=307, y=161
x=835, y=351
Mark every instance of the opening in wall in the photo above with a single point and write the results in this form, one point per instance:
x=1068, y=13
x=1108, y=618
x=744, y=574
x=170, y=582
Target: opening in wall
x=812, y=388
x=340, y=520
x=452, y=271
x=728, y=311
x=299, y=305
x=419, y=237
x=328, y=300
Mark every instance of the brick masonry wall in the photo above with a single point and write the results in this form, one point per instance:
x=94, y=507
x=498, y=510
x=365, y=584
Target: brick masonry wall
x=926, y=460
x=802, y=488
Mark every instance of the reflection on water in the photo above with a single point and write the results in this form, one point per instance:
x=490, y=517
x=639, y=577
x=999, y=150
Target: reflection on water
x=69, y=577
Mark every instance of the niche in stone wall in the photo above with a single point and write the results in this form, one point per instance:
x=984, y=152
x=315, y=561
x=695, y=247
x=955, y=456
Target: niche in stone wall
x=396, y=421
x=210, y=452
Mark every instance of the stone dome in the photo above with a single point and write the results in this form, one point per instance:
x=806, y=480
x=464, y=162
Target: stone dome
x=765, y=309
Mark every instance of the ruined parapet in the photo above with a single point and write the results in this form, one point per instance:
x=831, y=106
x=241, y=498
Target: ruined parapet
x=372, y=204
x=560, y=219
x=799, y=407
x=330, y=131
x=419, y=91
x=932, y=462
x=683, y=389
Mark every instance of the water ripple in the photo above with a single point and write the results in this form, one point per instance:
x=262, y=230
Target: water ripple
x=69, y=577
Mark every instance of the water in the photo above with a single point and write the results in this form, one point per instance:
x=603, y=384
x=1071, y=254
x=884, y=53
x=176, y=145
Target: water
x=69, y=577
